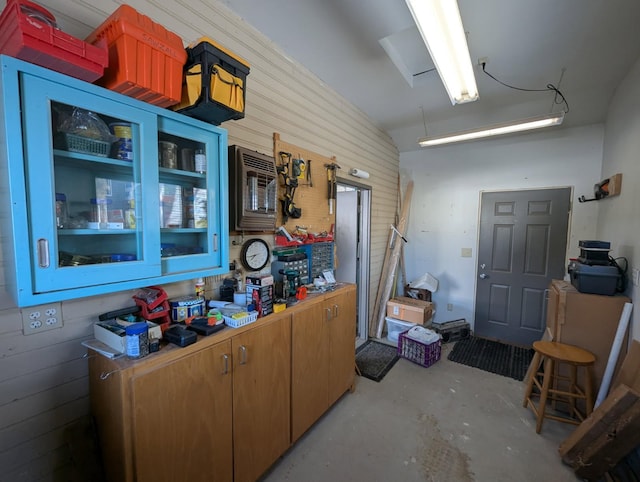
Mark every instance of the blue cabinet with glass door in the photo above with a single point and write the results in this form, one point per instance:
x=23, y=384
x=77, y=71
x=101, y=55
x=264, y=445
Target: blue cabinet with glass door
x=85, y=212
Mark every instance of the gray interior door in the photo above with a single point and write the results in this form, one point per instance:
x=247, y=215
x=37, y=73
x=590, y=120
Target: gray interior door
x=523, y=241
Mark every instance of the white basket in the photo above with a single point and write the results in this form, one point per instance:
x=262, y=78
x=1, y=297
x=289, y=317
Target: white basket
x=238, y=322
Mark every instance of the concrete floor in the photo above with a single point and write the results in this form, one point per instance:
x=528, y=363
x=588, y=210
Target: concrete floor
x=445, y=423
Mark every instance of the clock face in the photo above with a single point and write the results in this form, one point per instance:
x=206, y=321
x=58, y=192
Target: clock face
x=255, y=254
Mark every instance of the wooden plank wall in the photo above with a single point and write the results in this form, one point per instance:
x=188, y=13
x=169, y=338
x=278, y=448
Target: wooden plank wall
x=43, y=377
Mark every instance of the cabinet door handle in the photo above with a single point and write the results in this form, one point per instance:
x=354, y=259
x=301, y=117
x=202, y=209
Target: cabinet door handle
x=335, y=311
x=328, y=314
x=43, y=253
x=243, y=355
x=225, y=364
x=215, y=243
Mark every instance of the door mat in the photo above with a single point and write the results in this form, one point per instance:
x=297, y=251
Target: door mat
x=375, y=359
x=492, y=356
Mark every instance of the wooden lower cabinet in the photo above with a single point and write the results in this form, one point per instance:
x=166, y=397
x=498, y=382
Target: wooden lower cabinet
x=322, y=357
x=198, y=416
x=261, y=398
x=184, y=408
x=227, y=407
x=342, y=343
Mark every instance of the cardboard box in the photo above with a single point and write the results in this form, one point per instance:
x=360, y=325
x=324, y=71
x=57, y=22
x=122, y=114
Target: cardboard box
x=417, y=293
x=407, y=309
x=259, y=280
x=113, y=333
x=110, y=334
x=262, y=296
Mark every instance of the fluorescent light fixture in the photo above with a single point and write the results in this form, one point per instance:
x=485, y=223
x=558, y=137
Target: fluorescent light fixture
x=495, y=130
x=440, y=25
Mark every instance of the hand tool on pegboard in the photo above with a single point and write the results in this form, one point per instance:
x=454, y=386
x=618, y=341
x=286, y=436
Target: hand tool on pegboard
x=290, y=180
x=331, y=183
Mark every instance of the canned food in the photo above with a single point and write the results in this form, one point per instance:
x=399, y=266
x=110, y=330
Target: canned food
x=124, y=147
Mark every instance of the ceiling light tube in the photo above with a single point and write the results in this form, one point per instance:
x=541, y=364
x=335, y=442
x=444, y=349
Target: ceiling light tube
x=495, y=130
x=440, y=26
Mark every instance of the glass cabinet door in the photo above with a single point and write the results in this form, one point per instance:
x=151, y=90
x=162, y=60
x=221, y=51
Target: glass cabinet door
x=90, y=168
x=189, y=191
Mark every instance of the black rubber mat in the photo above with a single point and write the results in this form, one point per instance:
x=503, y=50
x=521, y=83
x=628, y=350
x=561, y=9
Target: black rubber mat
x=492, y=356
x=375, y=359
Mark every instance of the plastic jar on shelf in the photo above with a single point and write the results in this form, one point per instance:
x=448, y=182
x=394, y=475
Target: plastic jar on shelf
x=62, y=215
x=99, y=213
x=137, y=341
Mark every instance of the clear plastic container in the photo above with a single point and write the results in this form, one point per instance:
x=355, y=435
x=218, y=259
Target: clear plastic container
x=62, y=214
x=99, y=213
x=137, y=340
x=201, y=161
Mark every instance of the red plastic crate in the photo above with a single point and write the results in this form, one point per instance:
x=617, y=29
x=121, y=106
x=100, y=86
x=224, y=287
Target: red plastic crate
x=29, y=32
x=145, y=59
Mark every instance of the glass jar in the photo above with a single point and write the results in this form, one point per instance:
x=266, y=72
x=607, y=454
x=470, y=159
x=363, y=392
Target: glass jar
x=99, y=213
x=186, y=159
x=201, y=161
x=62, y=215
x=168, y=153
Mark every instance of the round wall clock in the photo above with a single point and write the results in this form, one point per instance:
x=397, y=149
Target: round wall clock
x=255, y=254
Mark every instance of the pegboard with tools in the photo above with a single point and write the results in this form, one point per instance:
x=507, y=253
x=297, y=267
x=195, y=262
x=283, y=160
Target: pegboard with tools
x=306, y=187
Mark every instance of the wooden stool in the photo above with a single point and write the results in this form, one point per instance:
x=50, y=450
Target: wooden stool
x=551, y=352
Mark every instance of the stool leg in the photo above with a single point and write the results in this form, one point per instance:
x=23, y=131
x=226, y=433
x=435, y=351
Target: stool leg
x=588, y=389
x=535, y=365
x=546, y=381
x=572, y=389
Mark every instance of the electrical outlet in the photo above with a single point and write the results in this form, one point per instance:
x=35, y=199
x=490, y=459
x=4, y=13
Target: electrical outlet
x=36, y=319
x=449, y=306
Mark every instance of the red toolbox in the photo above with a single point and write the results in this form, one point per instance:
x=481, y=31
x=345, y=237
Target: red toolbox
x=145, y=59
x=29, y=32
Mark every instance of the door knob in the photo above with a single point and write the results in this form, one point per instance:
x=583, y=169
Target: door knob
x=484, y=276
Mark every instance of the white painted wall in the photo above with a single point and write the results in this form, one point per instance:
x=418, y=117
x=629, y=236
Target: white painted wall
x=445, y=206
x=619, y=221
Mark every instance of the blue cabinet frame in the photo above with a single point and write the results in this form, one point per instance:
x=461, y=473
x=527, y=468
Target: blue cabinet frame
x=29, y=161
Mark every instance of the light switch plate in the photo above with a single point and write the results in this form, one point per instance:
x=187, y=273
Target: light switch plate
x=466, y=252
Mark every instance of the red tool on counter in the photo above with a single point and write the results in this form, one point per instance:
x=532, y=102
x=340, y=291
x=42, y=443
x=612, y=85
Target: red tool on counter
x=301, y=293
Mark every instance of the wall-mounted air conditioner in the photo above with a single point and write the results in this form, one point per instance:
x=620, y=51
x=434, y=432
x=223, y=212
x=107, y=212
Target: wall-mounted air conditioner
x=253, y=187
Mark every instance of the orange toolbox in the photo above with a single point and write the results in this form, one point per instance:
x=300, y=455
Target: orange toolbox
x=29, y=32
x=145, y=59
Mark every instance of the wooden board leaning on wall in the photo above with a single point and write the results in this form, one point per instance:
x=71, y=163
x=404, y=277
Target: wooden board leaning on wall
x=311, y=195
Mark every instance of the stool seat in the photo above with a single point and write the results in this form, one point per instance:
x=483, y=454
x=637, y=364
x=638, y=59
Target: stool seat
x=564, y=353
x=548, y=354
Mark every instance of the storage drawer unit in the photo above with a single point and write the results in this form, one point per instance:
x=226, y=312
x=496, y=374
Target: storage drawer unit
x=320, y=256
